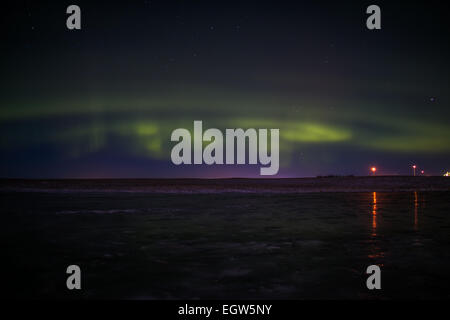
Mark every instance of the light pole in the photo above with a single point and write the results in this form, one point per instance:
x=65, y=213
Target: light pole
x=414, y=170
x=373, y=169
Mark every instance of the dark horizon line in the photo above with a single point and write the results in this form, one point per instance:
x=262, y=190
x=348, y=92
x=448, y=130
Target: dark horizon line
x=229, y=178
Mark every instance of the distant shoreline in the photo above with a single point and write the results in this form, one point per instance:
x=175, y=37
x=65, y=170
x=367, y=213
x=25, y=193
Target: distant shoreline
x=230, y=185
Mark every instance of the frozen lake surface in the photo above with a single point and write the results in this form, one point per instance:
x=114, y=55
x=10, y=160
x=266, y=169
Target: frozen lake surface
x=250, y=245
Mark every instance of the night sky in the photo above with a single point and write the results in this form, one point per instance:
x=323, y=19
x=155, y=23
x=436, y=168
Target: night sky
x=102, y=101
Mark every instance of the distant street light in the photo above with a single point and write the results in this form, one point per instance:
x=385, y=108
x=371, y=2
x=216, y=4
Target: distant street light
x=414, y=169
x=373, y=169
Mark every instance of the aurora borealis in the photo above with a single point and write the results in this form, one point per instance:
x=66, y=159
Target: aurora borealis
x=103, y=101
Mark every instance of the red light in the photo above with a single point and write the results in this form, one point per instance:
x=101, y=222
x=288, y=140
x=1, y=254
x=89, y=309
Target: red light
x=414, y=166
x=373, y=169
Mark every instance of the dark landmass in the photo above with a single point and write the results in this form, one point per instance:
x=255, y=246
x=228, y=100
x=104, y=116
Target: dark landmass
x=290, y=185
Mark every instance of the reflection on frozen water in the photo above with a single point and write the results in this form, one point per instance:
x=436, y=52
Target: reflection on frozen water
x=379, y=202
x=375, y=251
x=374, y=215
x=416, y=207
